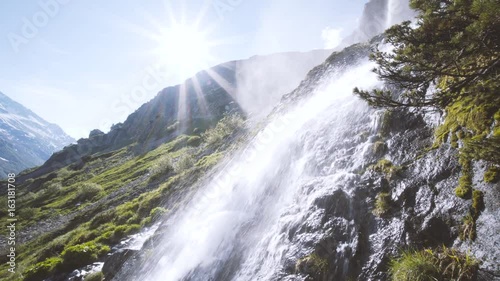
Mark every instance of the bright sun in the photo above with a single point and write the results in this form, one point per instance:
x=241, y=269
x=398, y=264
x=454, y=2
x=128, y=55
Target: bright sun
x=185, y=49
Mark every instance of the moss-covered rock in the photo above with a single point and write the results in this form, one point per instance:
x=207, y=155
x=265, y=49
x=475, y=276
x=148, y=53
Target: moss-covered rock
x=96, y=276
x=382, y=204
x=387, y=168
x=492, y=175
x=379, y=148
x=312, y=264
x=464, y=188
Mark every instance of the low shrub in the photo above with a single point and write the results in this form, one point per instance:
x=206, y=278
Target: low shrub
x=429, y=265
x=83, y=254
x=87, y=191
x=185, y=162
x=492, y=175
x=468, y=228
x=157, y=212
x=313, y=264
x=28, y=213
x=42, y=270
x=96, y=276
x=102, y=218
x=124, y=217
x=161, y=167
x=224, y=128
x=387, y=168
x=477, y=203
x=382, y=204
x=194, y=140
x=464, y=188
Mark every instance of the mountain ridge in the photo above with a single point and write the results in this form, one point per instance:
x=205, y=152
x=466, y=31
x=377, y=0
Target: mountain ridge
x=27, y=140
x=234, y=86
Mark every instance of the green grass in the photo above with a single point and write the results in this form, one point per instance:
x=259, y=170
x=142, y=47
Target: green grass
x=226, y=127
x=96, y=276
x=464, y=188
x=149, y=179
x=387, y=168
x=433, y=265
x=382, y=204
x=492, y=175
x=316, y=263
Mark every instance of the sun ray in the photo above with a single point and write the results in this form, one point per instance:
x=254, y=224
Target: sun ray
x=182, y=108
x=169, y=13
x=222, y=82
x=200, y=98
x=201, y=13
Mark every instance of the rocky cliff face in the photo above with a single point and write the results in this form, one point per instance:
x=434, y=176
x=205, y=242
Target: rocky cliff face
x=26, y=140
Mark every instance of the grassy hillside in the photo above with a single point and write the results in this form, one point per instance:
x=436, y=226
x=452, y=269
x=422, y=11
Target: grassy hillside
x=71, y=217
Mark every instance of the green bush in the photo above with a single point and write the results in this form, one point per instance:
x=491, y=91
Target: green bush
x=477, y=203
x=146, y=221
x=157, y=212
x=161, y=167
x=464, y=188
x=87, y=192
x=102, y=218
x=135, y=219
x=96, y=276
x=492, y=175
x=315, y=263
x=194, y=141
x=209, y=161
x=83, y=254
x=52, y=249
x=387, y=168
x=124, y=217
x=28, y=213
x=42, y=270
x=185, y=162
x=429, y=265
x=124, y=230
x=226, y=127
x=382, y=204
x=468, y=228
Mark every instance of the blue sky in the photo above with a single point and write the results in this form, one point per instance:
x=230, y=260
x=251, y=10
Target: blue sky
x=72, y=61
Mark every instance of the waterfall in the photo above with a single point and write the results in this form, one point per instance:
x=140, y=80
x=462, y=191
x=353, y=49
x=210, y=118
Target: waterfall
x=239, y=226
x=390, y=13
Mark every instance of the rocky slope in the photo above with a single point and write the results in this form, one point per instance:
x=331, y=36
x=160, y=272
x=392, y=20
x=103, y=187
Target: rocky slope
x=250, y=87
x=26, y=140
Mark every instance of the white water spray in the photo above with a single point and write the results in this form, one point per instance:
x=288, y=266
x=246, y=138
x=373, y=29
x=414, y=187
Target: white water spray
x=235, y=228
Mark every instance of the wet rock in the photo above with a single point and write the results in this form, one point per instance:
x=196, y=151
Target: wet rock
x=116, y=262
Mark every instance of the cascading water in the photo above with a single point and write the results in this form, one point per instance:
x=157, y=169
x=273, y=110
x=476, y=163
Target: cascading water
x=390, y=13
x=259, y=215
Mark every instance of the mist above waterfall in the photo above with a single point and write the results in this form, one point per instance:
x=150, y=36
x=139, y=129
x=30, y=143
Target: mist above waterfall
x=378, y=15
x=234, y=228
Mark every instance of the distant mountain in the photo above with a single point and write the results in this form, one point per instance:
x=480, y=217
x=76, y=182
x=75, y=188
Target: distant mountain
x=26, y=140
x=251, y=87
